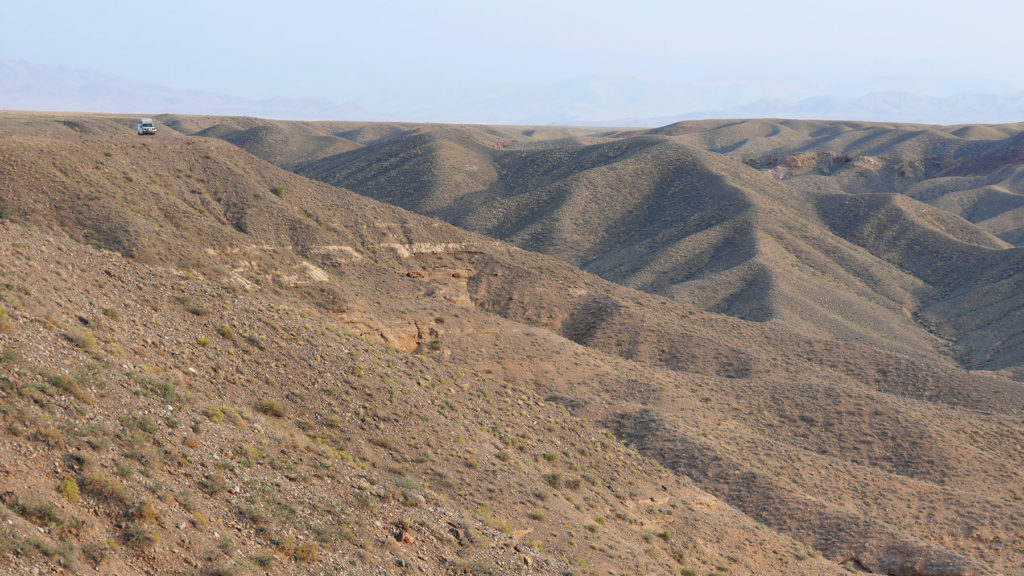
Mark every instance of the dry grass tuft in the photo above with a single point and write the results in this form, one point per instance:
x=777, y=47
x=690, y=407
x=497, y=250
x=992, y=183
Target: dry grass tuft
x=84, y=339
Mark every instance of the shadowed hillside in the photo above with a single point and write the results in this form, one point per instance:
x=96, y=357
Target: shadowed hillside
x=651, y=214
x=967, y=170
x=654, y=213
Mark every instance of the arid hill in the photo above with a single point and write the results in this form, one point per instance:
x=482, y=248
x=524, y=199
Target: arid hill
x=786, y=222
x=213, y=365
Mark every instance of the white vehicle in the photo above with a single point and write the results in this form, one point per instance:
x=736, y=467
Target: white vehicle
x=145, y=126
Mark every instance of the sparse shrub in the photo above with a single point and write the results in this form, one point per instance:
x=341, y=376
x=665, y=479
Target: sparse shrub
x=9, y=355
x=5, y=323
x=382, y=443
x=225, y=544
x=227, y=333
x=44, y=513
x=163, y=388
x=144, y=512
x=68, y=488
x=407, y=483
x=112, y=313
x=554, y=479
x=216, y=415
x=255, y=516
x=213, y=484
x=412, y=499
x=435, y=345
x=580, y=563
x=349, y=535
x=203, y=341
x=223, y=570
x=264, y=559
x=479, y=568
x=271, y=407
x=139, y=536
x=63, y=552
x=124, y=470
x=233, y=415
x=52, y=437
x=538, y=515
x=363, y=499
x=71, y=385
x=97, y=437
x=325, y=533
x=277, y=191
x=504, y=455
x=484, y=514
x=99, y=486
x=304, y=552
x=83, y=339
x=250, y=454
x=97, y=552
x=146, y=424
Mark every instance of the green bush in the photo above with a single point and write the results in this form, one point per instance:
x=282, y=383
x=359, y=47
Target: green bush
x=69, y=489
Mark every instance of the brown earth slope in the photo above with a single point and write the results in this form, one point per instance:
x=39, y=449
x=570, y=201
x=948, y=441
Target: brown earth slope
x=650, y=211
x=653, y=215
x=372, y=358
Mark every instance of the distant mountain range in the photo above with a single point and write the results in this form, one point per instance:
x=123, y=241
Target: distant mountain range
x=872, y=107
x=608, y=100
x=28, y=86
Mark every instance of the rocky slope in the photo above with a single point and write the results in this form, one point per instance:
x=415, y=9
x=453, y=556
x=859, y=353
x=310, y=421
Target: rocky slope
x=294, y=377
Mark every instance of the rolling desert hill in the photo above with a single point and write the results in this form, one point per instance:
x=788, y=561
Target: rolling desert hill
x=967, y=170
x=229, y=364
x=242, y=370
x=645, y=212
x=737, y=217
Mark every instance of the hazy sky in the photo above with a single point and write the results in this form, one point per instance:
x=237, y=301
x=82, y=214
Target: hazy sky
x=392, y=55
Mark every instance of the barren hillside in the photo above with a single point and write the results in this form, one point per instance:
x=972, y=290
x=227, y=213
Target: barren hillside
x=212, y=365
x=754, y=219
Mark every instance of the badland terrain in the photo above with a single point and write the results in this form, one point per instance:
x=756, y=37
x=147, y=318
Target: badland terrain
x=248, y=346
